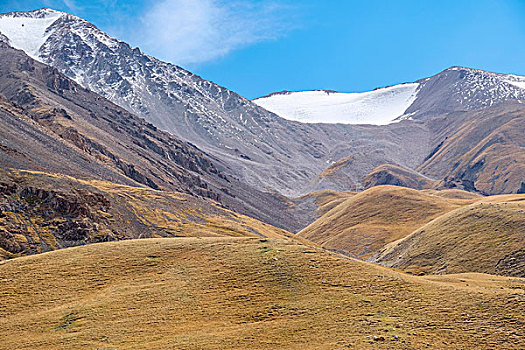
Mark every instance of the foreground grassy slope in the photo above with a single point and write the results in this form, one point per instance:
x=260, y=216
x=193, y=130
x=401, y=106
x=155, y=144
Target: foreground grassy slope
x=366, y=222
x=41, y=212
x=245, y=293
x=487, y=236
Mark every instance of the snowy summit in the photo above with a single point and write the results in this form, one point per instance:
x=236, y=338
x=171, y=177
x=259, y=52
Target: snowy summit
x=34, y=31
x=456, y=88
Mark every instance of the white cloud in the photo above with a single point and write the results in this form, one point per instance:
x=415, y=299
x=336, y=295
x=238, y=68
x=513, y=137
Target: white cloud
x=196, y=31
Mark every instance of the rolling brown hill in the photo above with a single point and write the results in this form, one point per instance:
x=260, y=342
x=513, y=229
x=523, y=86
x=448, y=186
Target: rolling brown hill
x=391, y=174
x=40, y=212
x=245, y=293
x=454, y=193
x=487, y=236
x=366, y=222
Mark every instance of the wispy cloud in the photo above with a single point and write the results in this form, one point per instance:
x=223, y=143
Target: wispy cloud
x=71, y=5
x=196, y=31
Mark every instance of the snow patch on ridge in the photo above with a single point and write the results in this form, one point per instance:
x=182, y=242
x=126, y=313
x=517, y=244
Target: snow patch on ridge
x=379, y=107
x=518, y=83
x=28, y=31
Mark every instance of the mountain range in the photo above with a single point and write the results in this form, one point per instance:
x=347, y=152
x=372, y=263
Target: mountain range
x=271, y=150
x=79, y=102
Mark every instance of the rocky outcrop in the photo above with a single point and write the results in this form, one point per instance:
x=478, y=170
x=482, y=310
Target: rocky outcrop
x=34, y=219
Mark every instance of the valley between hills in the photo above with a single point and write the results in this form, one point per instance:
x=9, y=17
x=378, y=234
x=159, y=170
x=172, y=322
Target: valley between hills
x=143, y=207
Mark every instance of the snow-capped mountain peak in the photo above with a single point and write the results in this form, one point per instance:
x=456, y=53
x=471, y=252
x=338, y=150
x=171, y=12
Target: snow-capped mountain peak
x=464, y=89
x=216, y=119
x=454, y=89
x=482, y=77
x=41, y=13
x=33, y=31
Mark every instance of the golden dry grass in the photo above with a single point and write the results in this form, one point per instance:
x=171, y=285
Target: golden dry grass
x=245, y=293
x=454, y=193
x=366, y=222
x=487, y=236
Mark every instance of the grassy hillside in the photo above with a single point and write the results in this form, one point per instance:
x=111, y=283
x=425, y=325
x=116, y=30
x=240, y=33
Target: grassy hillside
x=41, y=212
x=453, y=193
x=245, y=293
x=482, y=150
x=487, y=236
x=366, y=222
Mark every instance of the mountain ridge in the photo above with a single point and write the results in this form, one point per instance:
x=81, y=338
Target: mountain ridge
x=513, y=89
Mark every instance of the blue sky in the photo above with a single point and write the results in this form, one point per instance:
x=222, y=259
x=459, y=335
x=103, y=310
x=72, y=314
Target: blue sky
x=256, y=47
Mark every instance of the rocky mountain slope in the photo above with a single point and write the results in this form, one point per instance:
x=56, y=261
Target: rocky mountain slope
x=41, y=105
x=270, y=153
x=52, y=124
x=481, y=151
x=216, y=119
